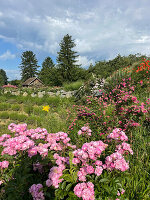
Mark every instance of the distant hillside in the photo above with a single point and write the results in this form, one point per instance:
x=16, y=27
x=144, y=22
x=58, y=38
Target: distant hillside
x=138, y=74
x=105, y=69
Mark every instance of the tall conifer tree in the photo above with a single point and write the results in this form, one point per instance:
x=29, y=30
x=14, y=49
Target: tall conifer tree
x=3, y=77
x=28, y=65
x=67, y=59
x=47, y=73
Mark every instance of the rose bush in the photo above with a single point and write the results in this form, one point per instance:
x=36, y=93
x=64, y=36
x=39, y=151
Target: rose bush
x=77, y=170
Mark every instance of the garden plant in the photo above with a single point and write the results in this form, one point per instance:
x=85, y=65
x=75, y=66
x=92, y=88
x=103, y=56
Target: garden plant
x=102, y=155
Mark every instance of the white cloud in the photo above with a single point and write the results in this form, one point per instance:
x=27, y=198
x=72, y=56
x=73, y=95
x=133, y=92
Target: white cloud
x=12, y=74
x=84, y=61
x=100, y=28
x=7, y=55
x=143, y=39
x=1, y=14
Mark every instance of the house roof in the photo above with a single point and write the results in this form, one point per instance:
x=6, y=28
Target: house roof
x=30, y=80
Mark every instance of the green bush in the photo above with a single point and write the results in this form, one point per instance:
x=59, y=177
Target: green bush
x=53, y=101
x=72, y=86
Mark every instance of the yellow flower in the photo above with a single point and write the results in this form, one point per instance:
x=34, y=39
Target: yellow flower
x=46, y=108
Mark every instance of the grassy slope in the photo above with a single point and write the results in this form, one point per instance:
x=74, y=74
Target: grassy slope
x=29, y=110
x=137, y=181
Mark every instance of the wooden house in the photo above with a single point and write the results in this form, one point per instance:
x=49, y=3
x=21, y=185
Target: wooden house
x=33, y=82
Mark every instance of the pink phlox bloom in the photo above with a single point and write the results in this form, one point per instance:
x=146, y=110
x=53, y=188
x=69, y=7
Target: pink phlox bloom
x=98, y=170
x=4, y=164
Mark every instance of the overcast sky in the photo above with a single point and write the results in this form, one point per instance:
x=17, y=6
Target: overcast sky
x=102, y=29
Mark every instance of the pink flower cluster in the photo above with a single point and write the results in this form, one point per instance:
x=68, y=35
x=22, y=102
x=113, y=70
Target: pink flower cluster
x=116, y=161
x=82, y=174
x=42, y=149
x=57, y=172
x=20, y=143
x=24, y=140
x=89, y=151
x=14, y=128
x=85, y=190
x=54, y=176
x=131, y=123
x=4, y=137
x=38, y=133
x=122, y=192
x=118, y=134
x=21, y=129
x=85, y=130
x=9, y=86
x=60, y=160
x=37, y=192
x=4, y=164
x=122, y=148
x=58, y=141
x=88, y=157
x=89, y=169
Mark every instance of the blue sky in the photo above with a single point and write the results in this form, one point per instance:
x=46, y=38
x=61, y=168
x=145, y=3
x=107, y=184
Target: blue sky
x=102, y=29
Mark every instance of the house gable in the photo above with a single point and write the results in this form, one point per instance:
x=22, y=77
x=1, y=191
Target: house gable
x=33, y=82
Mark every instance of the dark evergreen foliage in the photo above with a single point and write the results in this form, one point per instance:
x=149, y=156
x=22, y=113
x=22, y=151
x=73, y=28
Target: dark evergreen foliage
x=15, y=82
x=28, y=65
x=67, y=59
x=3, y=77
x=47, y=73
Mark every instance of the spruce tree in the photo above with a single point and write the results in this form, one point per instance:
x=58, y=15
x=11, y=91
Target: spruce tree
x=3, y=77
x=28, y=65
x=67, y=59
x=47, y=73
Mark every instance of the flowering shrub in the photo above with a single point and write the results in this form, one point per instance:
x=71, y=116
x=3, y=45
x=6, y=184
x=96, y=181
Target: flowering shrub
x=88, y=162
x=120, y=108
x=72, y=166
x=9, y=86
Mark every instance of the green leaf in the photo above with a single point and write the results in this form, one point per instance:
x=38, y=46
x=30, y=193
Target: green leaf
x=67, y=177
x=71, y=194
x=103, y=180
x=75, y=176
x=96, y=178
x=63, y=185
x=68, y=187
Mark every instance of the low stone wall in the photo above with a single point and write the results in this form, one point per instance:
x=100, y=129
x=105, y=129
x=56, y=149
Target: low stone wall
x=95, y=88
x=41, y=94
